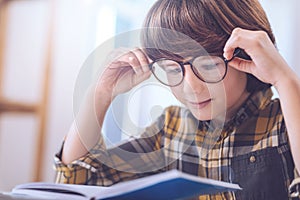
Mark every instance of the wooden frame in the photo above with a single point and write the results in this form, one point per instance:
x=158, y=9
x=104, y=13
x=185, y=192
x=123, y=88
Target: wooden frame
x=3, y=20
x=40, y=108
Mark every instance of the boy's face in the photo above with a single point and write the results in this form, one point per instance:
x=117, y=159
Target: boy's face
x=208, y=101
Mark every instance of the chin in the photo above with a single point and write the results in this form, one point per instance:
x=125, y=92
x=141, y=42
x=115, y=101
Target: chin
x=202, y=116
x=206, y=115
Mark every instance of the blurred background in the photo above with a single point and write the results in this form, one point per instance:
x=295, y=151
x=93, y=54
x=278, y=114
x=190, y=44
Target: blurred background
x=43, y=44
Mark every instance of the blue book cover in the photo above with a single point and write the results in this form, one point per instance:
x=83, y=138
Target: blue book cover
x=171, y=185
x=167, y=185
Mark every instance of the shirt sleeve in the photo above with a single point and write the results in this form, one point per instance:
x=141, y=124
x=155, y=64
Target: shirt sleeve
x=135, y=158
x=81, y=171
x=294, y=188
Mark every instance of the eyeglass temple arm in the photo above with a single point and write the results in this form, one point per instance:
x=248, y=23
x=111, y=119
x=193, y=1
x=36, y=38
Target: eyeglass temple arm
x=240, y=53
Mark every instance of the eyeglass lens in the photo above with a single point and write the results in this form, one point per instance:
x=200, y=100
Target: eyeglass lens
x=210, y=69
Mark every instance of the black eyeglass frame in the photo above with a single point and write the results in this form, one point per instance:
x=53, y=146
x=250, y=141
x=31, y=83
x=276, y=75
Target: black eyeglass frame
x=181, y=64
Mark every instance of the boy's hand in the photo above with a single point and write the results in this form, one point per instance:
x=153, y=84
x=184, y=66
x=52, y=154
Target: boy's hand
x=125, y=70
x=267, y=64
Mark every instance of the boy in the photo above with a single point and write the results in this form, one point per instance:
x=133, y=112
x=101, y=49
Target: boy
x=230, y=128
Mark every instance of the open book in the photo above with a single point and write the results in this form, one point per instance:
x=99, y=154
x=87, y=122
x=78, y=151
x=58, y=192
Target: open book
x=168, y=185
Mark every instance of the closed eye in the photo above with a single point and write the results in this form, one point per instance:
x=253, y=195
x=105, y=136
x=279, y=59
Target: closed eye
x=173, y=70
x=209, y=66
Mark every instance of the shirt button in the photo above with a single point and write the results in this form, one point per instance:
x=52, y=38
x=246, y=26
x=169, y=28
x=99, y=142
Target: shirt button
x=252, y=159
x=67, y=174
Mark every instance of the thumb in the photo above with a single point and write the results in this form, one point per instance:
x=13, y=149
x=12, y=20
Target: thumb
x=242, y=65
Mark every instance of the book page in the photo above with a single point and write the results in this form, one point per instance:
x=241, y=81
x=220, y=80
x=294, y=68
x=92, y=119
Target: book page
x=59, y=190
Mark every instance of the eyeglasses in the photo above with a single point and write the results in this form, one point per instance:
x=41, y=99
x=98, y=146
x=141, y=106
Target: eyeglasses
x=209, y=69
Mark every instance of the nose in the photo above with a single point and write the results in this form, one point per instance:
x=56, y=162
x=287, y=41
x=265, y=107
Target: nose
x=191, y=83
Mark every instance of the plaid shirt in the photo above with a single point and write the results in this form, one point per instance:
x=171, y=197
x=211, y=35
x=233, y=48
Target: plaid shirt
x=252, y=149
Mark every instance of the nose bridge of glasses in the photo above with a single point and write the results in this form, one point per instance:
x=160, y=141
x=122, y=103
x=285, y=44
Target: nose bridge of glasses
x=192, y=81
x=190, y=72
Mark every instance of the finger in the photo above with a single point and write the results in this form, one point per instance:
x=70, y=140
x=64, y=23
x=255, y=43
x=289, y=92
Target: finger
x=143, y=77
x=118, y=64
x=135, y=64
x=230, y=45
x=128, y=59
x=135, y=60
x=144, y=61
x=242, y=65
x=118, y=58
x=238, y=38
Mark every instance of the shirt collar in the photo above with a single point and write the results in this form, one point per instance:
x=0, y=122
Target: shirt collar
x=250, y=107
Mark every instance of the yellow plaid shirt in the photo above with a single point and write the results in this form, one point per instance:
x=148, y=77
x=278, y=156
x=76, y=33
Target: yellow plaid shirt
x=252, y=149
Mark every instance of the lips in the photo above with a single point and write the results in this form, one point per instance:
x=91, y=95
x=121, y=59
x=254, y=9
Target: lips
x=200, y=105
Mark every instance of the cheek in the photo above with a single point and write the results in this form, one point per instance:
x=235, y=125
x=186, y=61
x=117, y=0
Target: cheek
x=178, y=93
x=235, y=86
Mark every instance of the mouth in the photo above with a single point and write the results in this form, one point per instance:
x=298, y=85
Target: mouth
x=200, y=105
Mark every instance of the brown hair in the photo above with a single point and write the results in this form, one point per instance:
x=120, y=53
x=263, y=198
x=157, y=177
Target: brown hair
x=208, y=22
